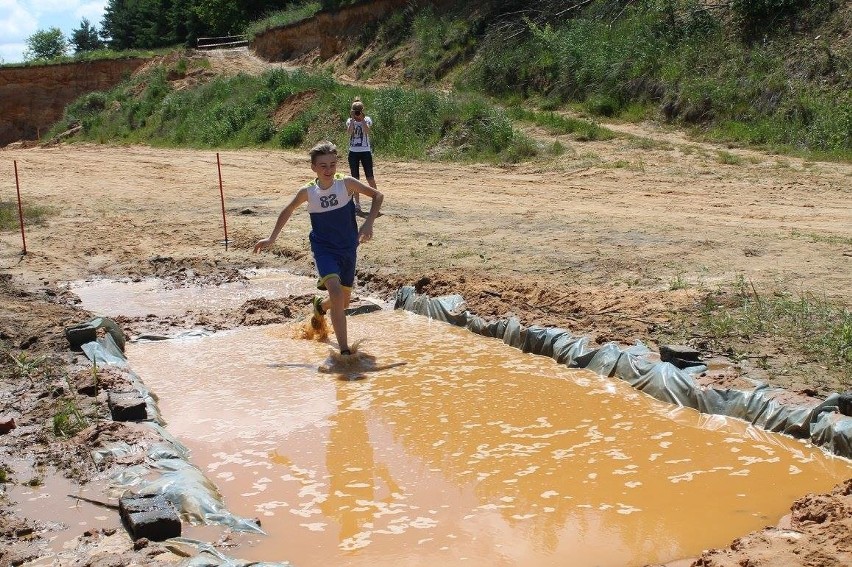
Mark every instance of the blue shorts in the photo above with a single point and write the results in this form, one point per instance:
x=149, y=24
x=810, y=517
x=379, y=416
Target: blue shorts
x=365, y=159
x=335, y=265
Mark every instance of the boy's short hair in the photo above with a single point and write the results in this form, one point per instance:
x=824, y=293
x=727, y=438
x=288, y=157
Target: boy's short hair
x=321, y=149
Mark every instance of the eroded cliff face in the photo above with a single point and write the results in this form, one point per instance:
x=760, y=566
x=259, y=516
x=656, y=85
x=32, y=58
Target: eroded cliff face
x=32, y=99
x=330, y=32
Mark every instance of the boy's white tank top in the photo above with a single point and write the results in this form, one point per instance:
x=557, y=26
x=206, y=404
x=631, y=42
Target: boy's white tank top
x=327, y=200
x=332, y=212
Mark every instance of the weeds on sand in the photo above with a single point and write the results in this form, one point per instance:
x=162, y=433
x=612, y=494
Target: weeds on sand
x=69, y=420
x=10, y=219
x=556, y=123
x=804, y=325
x=22, y=366
x=678, y=282
x=727, y=158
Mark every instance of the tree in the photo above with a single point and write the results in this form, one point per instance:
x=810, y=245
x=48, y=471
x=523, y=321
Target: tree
x=117, y=25
x=46, y=44
x=85, y=38
x=220, y=17
x=138, y=24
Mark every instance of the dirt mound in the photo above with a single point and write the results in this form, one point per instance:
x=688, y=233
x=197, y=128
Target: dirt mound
x=818, y=533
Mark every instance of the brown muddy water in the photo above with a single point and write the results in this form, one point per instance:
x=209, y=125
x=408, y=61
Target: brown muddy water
x=441, y=447
x=438, y=446
x=154, y=296
x=52, y=500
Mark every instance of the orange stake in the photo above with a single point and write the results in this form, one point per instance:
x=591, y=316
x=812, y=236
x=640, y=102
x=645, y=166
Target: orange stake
x=20, y=208
x=222, y=196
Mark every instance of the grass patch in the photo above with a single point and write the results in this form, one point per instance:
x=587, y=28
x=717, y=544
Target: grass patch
x=685, y=63
x=643, y=143
x=678, y=283
x=806, y=325
x=555, y=123
x=624, y=164
x=440, y=43
x=727, y=158
x=9, y=217
x=827, y=239
x=294, y=13
x=69, y=420
x=95, y=55
x=18, y=367
x=21, y=366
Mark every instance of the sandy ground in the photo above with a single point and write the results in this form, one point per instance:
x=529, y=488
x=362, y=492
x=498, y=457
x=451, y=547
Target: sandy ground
x=616, y=240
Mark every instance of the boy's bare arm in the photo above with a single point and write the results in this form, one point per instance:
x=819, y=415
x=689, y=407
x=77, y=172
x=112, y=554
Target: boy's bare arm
x=357, y=186
x=365, y=233
x=378, y=199
x=283, y=217
x=353, y=185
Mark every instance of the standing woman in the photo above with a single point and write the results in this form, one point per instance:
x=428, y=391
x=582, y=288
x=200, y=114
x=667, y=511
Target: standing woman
x=359, y=127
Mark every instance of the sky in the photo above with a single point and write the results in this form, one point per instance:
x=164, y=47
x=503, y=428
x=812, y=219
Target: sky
x=19, y=19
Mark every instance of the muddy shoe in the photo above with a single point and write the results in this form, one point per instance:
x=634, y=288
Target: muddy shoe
x=317, y=319
x=318, y=310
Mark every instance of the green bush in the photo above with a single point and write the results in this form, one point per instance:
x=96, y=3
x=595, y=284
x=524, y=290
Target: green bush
x=679, y=58
x=602, y=105
x=292, y=135
x=759, y=18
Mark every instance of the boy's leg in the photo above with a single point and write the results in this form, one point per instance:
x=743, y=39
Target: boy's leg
x=338, y=300
x=337, y=276
x=326, y=305
x=327, y=268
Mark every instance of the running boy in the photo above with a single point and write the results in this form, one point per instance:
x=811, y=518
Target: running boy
x=334, y=233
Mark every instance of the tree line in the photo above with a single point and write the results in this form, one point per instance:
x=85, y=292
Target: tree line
x=151, y=24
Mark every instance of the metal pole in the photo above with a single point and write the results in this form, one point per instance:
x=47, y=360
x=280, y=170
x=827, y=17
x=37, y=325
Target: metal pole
x=20, y=208
x=222, y=196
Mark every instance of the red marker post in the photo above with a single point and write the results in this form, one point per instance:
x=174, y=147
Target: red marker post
x=20, y=208
x=222, y=196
